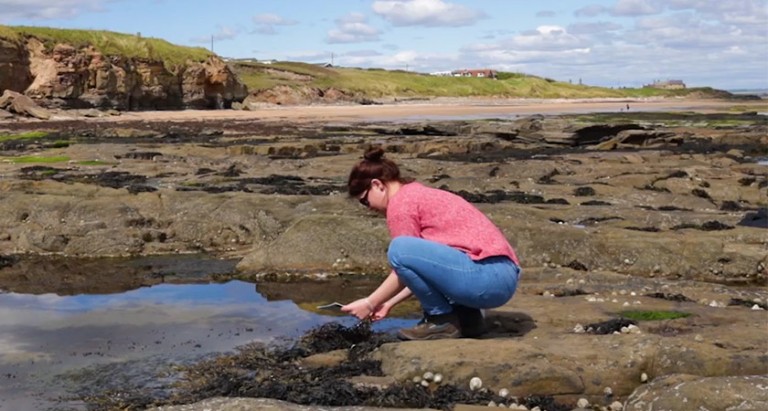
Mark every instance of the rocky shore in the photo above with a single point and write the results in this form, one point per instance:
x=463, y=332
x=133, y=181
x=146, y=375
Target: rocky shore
x=616, y=212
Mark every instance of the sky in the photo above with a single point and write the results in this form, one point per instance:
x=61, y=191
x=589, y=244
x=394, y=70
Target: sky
x=611, y=43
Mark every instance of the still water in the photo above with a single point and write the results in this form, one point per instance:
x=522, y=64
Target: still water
x=52, y=346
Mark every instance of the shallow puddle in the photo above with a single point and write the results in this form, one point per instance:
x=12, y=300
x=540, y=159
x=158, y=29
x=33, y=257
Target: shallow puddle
x=53, y=346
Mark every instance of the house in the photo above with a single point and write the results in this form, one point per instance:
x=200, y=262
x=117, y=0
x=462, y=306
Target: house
x=486, y=73
x=667, y=85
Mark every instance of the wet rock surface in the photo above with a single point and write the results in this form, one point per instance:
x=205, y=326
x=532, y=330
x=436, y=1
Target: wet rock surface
x=651, y=211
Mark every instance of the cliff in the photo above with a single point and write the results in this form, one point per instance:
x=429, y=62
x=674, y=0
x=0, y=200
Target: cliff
x=61, y=75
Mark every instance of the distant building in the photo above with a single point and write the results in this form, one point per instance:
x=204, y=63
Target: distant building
x=486, y=73
x=667, y=85
x=441, y=73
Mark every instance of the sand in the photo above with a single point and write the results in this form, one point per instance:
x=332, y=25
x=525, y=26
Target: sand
x=434, y=110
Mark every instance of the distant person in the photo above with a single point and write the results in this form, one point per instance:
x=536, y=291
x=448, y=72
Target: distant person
x=627, y=107
x=444, y=251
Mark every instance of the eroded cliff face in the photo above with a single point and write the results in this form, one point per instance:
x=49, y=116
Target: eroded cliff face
x=14, y=66
x=70, y=77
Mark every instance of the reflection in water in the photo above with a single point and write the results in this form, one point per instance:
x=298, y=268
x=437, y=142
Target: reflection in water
x=42, y=336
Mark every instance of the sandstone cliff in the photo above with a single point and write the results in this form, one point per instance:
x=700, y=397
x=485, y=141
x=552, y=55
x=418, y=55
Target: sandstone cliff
x=66, y=76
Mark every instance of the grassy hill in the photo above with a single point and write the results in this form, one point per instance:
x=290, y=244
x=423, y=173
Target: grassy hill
x=378, y=83
x=110, y=43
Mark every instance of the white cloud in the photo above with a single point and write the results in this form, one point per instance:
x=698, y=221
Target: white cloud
x=266, y=22
x=221, y=33
x=636, y=8
x=544, y=38
x=751, y=12
x=403, y=60
x=687, y=32
x=601, y=27
x=352, y=28
x=590, y=11
x=47, y=9
x=429, y=13
x=272, y=20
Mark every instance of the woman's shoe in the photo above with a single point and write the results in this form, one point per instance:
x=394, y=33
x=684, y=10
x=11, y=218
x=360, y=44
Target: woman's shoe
x=433, y=327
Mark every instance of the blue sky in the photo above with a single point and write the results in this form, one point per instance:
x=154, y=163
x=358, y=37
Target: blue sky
x=614, y=43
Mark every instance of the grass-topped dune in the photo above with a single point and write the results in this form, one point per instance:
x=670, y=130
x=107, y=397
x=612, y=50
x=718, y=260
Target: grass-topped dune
x=110, y=43
x=378, y=83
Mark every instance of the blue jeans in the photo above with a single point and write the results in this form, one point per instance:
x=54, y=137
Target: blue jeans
x=439, y=275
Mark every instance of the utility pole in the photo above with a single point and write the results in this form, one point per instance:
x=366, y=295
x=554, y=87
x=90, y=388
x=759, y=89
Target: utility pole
x=331, y=58
x=211, y=43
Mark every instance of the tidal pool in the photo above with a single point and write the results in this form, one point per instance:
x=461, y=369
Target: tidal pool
x=54, y=347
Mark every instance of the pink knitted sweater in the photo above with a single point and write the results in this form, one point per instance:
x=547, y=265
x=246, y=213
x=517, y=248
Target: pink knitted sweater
x=438, y=215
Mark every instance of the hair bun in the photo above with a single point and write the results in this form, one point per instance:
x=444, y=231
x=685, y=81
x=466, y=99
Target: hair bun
x=374, y=154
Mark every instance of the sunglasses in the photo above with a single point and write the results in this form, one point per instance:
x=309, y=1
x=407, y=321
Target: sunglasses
x=364, y=199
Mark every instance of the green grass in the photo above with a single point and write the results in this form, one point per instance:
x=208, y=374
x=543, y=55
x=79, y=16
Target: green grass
x=378, y=83
x=110, y=43
x=37, y=159
x=653, y=315
x=31, y=135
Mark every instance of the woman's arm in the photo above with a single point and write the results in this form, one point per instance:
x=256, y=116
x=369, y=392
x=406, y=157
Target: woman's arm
x=383, y=310
x=390, y=289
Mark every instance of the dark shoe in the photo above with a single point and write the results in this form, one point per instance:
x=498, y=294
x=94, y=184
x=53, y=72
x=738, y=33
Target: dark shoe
x=433, y=327
x=471, y=321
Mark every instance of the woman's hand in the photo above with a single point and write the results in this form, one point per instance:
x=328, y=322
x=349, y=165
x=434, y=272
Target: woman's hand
x=361, y=308
x=381, y=311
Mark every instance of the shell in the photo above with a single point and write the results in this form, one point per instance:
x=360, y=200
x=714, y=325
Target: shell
x=475, y=383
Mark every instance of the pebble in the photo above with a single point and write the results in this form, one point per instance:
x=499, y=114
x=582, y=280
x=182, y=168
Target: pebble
x=643, y=377
x=616, y=406
x=582, y=403
x=716, y=304
x=503, y=393
x=428, y=376
x=438, y=378
x=579, y=329
x=475, y=383
x=424, y=383
x=608, y=391
x=756, y=307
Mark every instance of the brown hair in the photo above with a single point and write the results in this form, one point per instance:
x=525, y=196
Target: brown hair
x=373, y=166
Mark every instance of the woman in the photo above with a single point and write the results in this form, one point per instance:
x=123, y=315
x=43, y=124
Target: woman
x=443, y=250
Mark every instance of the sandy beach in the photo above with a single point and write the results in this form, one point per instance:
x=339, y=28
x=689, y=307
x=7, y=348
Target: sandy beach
x=437, y=109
